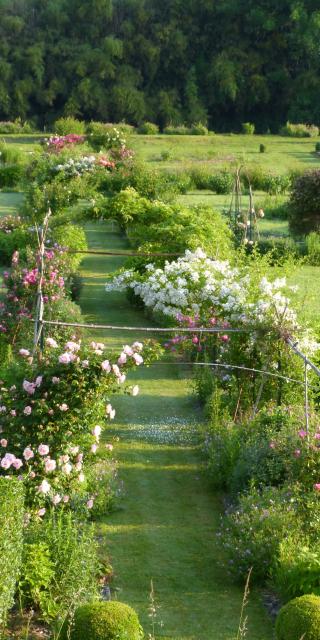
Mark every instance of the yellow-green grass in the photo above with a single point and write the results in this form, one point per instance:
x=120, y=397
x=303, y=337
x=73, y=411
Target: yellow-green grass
x=166, y=524
x=282, y=154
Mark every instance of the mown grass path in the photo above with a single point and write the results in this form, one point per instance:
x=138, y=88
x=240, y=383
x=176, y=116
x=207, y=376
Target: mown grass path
x=165, y=527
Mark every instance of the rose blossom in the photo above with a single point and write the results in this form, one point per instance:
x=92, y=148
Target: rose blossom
x=81, y=477
x=105, y=365
x=67, y=468
x=55, y=380
x=94, y=448
x=72, y=346
x=137, y=358
x=44, y=487
x=116, y=370
x=50, y=465
x=29, y=387
x=3, y=442
x=41, y=512
x=56, y=498
x=5, y=463
x=43, y=449
x=78, y=466
x=24, y=353
x=90, y=503
x=38, y=381
x=138, y=346
x=317, y=486
x=85, y=364
x=122, y=378
x=51, y=343
x=122, y=358
x=65, y=499
x=32, y=475
x=63, y=407
x=27, y=410
x=13, y=412
x=65, y=458
x=65, y=358
x=96, y=431
x=17, y=463
x=128, y=350
x=74, y=450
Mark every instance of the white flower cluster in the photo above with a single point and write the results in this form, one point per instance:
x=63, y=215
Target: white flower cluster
x=195, y=284
x=73, y=168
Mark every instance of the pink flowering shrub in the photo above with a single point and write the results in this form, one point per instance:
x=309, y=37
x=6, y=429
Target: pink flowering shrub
x=55, y=144
x=54, y=415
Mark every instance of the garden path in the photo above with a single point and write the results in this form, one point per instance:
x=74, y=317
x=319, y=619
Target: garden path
x=166, y=523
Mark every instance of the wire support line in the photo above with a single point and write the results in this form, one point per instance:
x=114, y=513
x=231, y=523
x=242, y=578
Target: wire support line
x=294, y=346
x=124, y=254
x=84, y=325
x=270, y=374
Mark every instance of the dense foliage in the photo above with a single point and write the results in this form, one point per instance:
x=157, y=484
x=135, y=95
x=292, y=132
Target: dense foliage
x=229, y=61
x=104, y=621
x=11, y=525
x=300, y=618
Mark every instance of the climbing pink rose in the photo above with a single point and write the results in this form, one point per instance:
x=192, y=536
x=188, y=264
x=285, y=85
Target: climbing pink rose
x=43, y=449
x=27, y=410
x=3, y=442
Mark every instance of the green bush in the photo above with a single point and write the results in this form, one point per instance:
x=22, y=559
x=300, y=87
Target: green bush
x=74, y=238
x=61, y=568
x=103, y=621
x=313, y=248
x=299, y=619
x=221, y=182
x=148, y=129
x=17, y=126
x=11, y=540
x=11, y=175
x=201, y=177
x=64, y=126
x=262, y=148
x=199, y=129
x=278, y=248
x=103, y=135
x=248, y=128
x=304, y=203
x=297, y=569
x=253, y=530
x=317, y=147
x=9, y=155
x=17, y=240
x=299, y=130
x=176, y=130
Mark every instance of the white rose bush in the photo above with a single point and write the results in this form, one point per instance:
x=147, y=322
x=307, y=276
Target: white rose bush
x=197, y=292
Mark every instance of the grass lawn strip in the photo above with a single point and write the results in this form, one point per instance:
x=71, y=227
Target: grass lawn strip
x=165, y=528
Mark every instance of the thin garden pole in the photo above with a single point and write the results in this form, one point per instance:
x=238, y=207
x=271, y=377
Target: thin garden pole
x=38, y=327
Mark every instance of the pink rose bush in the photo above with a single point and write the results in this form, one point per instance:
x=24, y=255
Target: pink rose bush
x=53, y=418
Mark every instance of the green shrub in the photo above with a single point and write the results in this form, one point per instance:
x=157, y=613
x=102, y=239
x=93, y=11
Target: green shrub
x=248, y=128
x=11, y=175
x=11, y=540
x=74, y=238
x=304, y=203
x=313, y=248
x=166, y=154
x=260, y=180
x=64, y=126
x=299, y=130
x=262, y=148
x=17, y=240
x=17, y=126
x=221, y=182
x=104, y=621
x=253, y=530
x=297, y=569
x=9, y=155
x=199, y=129
x=273, y=206
x=148, y=129
x=62, y=567
x=317, y=147
x=278, y=248
x=106, y=136
x=299, y=619
x=176, y=130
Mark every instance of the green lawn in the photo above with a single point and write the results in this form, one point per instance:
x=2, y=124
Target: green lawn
x=165, y=528
x=9, y=203
x=283, y=154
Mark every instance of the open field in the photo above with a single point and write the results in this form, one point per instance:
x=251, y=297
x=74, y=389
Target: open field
x=282, y=154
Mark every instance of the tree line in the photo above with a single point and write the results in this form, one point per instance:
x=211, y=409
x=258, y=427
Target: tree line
x=168, y=61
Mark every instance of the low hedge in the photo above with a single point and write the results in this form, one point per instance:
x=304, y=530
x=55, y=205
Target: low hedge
x=103, y=621
x=300, y=618
x=11, y=540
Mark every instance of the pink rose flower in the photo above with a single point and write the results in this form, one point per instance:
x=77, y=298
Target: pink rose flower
x=63, y=407
x=94, y=448
x=27, y=410
x=55, y=380
x=65, y=358
x=90, y=503
x=128, y=350
x=29, y=387
x=137, y=358
x=3, y=442
x=96, y=431
x=316, y=486
x=81, y=477
x=17, y=463
x=122, y=358
x=32, y=475
x=67, y=468
x=56, y=499
x=50, y=342
x=85, y=364
x=50, y=465
x=65, y=499
x=138, y=346
x=105, y=366
x=41, y=512
x=43, y=449
x=302, y=433
x=24, y=353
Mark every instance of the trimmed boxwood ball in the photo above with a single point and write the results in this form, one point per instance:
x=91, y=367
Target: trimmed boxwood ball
x=299, y=618
x=104, y=621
